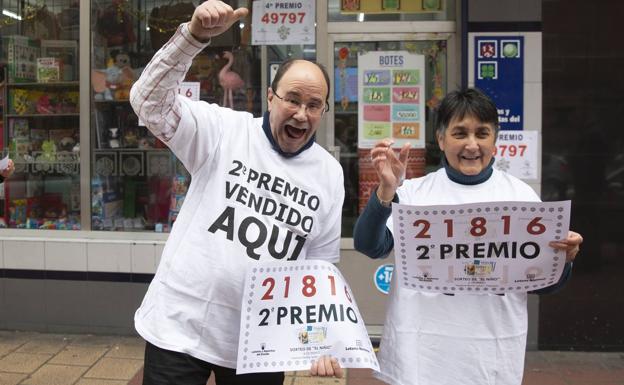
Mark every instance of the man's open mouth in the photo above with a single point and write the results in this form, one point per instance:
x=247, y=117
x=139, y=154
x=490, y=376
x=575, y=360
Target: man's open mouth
x=294, y=132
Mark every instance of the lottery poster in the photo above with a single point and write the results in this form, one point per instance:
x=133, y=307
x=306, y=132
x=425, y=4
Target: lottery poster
x=391, y=95
x=294, y=313
x=283, y=22
x=494, y=247
x=516, y=153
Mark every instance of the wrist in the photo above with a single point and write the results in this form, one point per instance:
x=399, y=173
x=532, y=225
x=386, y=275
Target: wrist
x=385, y=197
x=385, y=193
x=195, y=36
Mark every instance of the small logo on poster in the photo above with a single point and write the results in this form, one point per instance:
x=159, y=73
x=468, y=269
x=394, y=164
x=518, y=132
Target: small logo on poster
x=263, y=350
x=488, y=70
x=510, y=49
x=479, y=268
x=383, y=277
x=487, y=49
x=312, y=335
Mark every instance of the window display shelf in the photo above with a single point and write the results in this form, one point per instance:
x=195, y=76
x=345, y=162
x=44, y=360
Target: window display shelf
x=61, y=162
x=104, y=102
x=41, y=132
x=131, y=149
x=42, y=84
x=41, y=115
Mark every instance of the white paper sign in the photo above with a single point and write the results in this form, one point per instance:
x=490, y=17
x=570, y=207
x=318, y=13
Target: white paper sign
x=516, y=153
x=493, y=247
x=391, y=95
x=294, y=313
x=188, y=89
x=283, y=22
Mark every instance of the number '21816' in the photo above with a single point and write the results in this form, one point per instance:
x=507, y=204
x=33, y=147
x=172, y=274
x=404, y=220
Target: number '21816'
x=478, y=227
x=308, y=288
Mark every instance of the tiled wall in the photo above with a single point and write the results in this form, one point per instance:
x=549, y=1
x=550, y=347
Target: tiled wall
x=81, y=255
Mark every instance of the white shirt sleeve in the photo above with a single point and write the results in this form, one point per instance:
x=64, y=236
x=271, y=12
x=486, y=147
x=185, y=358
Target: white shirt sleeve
x=154, y=95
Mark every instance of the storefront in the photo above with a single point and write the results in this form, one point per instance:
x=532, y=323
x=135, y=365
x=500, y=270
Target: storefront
x=87, y=212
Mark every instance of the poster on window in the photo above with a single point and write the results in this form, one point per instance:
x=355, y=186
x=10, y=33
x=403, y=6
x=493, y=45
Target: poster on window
x=391, y=94
x=283, y=22
x=516, y=153
x=293, y=313
x=499, y=72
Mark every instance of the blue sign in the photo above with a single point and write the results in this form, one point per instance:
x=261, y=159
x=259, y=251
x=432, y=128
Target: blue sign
x=499, y=72
x=383, y=277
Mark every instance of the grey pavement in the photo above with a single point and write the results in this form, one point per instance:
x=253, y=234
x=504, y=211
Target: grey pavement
x=30, y=358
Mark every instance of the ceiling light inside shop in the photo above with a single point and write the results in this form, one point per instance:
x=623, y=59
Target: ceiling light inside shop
x=10, y=14
x=241, y=25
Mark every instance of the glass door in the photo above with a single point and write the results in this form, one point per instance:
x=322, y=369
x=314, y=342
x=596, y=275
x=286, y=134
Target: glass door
x=435, y=76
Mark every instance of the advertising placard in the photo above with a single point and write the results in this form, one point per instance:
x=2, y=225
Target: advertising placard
x=283, y=22
x=494, y=247
x=391, y=98
x=499, y=72
x=294, y=313
x=516, y=153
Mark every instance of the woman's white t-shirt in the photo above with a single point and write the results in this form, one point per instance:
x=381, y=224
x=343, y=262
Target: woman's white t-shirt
x=437, y=339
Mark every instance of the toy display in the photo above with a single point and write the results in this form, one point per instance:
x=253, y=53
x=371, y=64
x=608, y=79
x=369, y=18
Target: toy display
x=115, y=81
x=43, y=212
x=25, y=101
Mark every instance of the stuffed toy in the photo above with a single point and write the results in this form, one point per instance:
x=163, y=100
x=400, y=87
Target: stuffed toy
x=115, y=82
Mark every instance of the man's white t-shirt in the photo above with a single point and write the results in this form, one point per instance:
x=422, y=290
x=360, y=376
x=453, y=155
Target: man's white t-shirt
x=246, y=205
x=467, y=339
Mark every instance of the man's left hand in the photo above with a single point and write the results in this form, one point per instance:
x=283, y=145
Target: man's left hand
x=326, y=366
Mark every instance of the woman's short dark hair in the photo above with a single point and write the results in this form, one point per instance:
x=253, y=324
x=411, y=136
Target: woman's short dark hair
x=283, y=68
x=466, y=102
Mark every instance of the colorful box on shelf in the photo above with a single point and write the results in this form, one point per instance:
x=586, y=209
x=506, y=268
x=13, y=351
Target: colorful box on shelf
x=21, y=53
x=66, y=51
x=49, y=69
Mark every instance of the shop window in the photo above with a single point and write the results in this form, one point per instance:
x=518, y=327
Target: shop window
x=39, y=116
x=137, y=183
x=360, y=177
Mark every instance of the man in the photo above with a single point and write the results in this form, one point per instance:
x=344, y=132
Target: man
x=261, y=190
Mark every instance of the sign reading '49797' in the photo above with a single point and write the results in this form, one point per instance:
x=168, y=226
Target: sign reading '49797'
x=283, y=22
x=494, y=247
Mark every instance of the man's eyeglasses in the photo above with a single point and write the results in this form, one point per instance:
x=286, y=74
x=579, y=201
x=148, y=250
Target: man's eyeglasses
x=293, y=103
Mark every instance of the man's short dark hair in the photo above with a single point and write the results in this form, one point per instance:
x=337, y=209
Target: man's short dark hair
x=466, y=102
x=283, y=68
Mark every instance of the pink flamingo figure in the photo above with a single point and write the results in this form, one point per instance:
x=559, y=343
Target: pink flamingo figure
x=229, y=80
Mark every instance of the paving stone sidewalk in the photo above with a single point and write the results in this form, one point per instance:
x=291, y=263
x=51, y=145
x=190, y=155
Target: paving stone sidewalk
x=28, y=358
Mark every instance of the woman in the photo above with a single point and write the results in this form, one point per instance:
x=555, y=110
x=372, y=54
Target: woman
x=440, y=339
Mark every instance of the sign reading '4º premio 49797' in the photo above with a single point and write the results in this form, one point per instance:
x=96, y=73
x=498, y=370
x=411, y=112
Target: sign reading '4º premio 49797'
x=491, y=247
x=293, y=313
